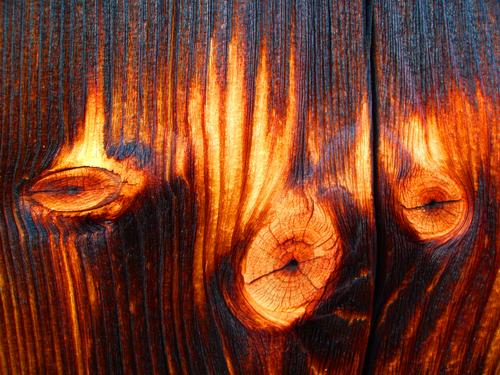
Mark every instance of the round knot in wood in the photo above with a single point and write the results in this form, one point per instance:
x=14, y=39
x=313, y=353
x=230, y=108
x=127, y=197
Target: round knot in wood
x=434, y=206
x=290, y=261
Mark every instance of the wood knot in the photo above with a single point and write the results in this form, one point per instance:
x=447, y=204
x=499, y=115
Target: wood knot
x=81, y=191
x=290, y=261
x=434, y=206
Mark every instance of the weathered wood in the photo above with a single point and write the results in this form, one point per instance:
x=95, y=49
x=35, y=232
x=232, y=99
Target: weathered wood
x=186, y=187
x=200, y=187
x=438, y=284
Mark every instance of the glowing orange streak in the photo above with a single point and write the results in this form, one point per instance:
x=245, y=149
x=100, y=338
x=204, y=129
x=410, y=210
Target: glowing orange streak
x=219, y=165
x=89, y=147
x=443, y=135
x=363, y=157
x=203, y=119
x=72, y=296
x=212, y=135
x=269, y=162
x=259, y=148
x=89, y=150
x=234, y=150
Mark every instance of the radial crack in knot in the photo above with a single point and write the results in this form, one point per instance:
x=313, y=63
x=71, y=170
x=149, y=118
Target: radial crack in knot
x=290, y=260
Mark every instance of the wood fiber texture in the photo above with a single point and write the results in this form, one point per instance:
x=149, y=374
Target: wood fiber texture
x=246, y=187
x=436, y=112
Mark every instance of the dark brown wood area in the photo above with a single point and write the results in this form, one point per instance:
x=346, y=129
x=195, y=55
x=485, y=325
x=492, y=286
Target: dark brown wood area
x=247, y=187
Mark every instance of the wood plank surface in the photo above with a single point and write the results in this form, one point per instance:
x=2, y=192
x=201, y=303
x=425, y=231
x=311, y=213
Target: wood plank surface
x=245, y=187
x=438, y=279
x=186, y=187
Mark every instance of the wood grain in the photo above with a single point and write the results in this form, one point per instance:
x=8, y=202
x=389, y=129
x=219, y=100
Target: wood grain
x=147, y=147
x=242, y=187
x=437, y=293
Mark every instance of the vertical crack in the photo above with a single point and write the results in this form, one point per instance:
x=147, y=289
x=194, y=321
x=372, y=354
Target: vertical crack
x=375, y=131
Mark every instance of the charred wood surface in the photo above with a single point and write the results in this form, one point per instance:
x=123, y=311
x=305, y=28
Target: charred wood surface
x=435, y=75
x=248, y=187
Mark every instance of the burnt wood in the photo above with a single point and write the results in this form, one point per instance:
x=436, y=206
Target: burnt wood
x=435, y=75
x=249, y=187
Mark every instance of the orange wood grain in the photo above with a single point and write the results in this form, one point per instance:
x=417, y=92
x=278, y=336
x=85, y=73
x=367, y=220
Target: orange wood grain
x=437, y=144
x=243, y=187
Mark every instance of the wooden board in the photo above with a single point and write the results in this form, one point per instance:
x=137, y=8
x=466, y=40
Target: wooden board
x=438, y=284
x=248, y=187
x=186, y=187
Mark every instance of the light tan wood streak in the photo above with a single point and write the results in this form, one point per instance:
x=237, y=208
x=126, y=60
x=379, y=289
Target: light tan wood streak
x=271, y=143
x=88, y=150
x=217, y=127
